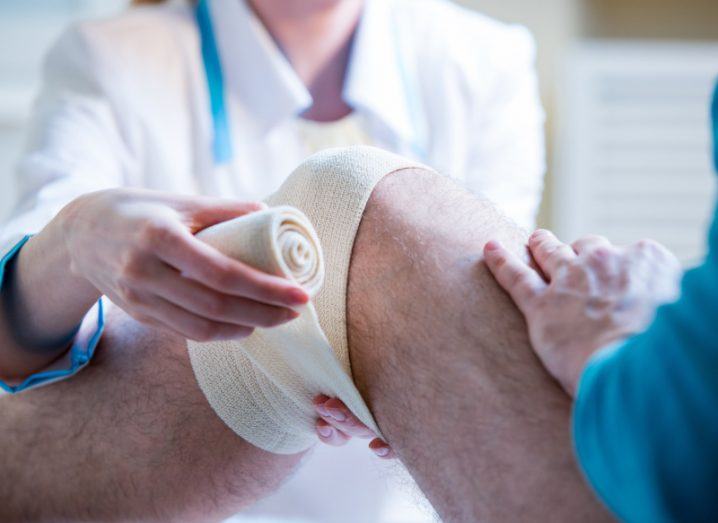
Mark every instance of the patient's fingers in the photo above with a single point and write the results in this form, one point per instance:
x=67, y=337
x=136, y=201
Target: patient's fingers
x=519, y=280
x=381, y=449
x=589, y=243
x=335, y=413
x=337, y=425
x=549, y=252
x=330, y=435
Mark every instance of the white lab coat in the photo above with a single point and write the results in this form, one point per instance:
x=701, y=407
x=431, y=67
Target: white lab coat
x=124, y=103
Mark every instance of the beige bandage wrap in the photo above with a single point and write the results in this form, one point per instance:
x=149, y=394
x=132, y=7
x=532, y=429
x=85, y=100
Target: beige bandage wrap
x=262, y=387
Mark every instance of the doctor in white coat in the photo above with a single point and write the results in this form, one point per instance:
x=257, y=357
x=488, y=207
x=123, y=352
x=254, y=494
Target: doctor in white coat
x=170, y=117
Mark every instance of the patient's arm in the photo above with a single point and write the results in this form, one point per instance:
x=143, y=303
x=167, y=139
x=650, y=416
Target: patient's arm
x=131, y=438
x=442, y=357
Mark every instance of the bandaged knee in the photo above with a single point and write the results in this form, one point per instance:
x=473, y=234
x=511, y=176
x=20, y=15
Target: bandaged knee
x=262, y=386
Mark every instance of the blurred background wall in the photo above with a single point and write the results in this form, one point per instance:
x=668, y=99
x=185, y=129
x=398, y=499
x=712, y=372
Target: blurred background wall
x=626, y=85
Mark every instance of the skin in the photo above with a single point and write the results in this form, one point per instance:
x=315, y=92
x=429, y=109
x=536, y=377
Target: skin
x=576, y=299
x=316, y=38
x=451, y=380
x=584, y=296
x=130, y=438
x=136, y=247
x=443, y=359
x=120, y=243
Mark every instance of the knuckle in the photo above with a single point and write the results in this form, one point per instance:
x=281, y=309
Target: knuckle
x=223, y=277
x=574, y=280
x=539, y=234
x=499, y=262
x=217, y=306
x=516, y=279
x=525, y=289
x=648, y=244
x=557, y=256
x=599, y=255
x=544, y=246
x=153, y=234
x=133, y=267
x=204, y=331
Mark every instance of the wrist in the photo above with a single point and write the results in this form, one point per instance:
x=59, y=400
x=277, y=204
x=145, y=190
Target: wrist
x=65, y=228
x=567, y=367
x=49, y=297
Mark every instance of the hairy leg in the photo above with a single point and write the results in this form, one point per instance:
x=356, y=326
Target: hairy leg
x=131, y=438
x=438, y=351
x=442, y=358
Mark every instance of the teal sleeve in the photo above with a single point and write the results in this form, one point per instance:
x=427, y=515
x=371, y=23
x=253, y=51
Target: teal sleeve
x=645, y=421
x=78, y=356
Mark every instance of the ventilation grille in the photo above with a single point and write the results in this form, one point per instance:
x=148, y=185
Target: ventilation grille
x=635, y=156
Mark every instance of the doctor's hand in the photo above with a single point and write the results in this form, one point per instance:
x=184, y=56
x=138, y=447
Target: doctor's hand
x=590, y=294
x=138, y=248
x=337, y=425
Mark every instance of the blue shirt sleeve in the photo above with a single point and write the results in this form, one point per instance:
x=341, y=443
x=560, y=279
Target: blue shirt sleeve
x=79, y=355
x=645, y=421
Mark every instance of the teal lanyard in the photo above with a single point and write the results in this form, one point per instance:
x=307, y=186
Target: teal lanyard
x=222, y=152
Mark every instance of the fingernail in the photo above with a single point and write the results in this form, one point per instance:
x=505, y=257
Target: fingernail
x=493, y=245
x=381, y=451
x=325, y=431
x=299, y=296
x=293, y=315
x=321, y=409
x=338, y=415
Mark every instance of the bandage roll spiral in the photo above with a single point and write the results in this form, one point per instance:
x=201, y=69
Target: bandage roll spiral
x=279, y=241
x=280, y=369
x=262, y=386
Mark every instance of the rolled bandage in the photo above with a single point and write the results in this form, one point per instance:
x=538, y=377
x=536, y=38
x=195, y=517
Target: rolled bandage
x=262, y=386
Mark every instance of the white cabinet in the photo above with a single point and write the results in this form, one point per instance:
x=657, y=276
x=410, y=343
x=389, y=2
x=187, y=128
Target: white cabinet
x=635, y=144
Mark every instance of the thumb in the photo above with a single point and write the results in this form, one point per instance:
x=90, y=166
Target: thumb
x=211, y=211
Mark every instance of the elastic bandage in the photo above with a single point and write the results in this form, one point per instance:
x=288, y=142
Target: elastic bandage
x=262, y=386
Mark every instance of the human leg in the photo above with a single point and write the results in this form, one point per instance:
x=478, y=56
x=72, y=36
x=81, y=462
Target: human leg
x=437, y=350
x=131, y=438
x=442, y=358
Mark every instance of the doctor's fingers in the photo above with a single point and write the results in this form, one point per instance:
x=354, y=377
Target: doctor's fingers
x=205, y=264
x=203, y=211
x=214, y=305
x=158, y=312
x=590, y=243
x=515, y=276
x=549, y=252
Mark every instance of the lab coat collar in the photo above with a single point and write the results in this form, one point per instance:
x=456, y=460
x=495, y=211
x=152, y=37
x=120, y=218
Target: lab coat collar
x=274, y=92
x=256, y=73
x=377, y=82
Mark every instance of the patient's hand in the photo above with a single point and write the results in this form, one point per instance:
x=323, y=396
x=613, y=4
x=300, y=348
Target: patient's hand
x=337, y=425
x=591, y=294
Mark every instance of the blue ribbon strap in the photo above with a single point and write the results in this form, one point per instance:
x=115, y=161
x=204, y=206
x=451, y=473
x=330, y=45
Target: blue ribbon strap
x=221, y=142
